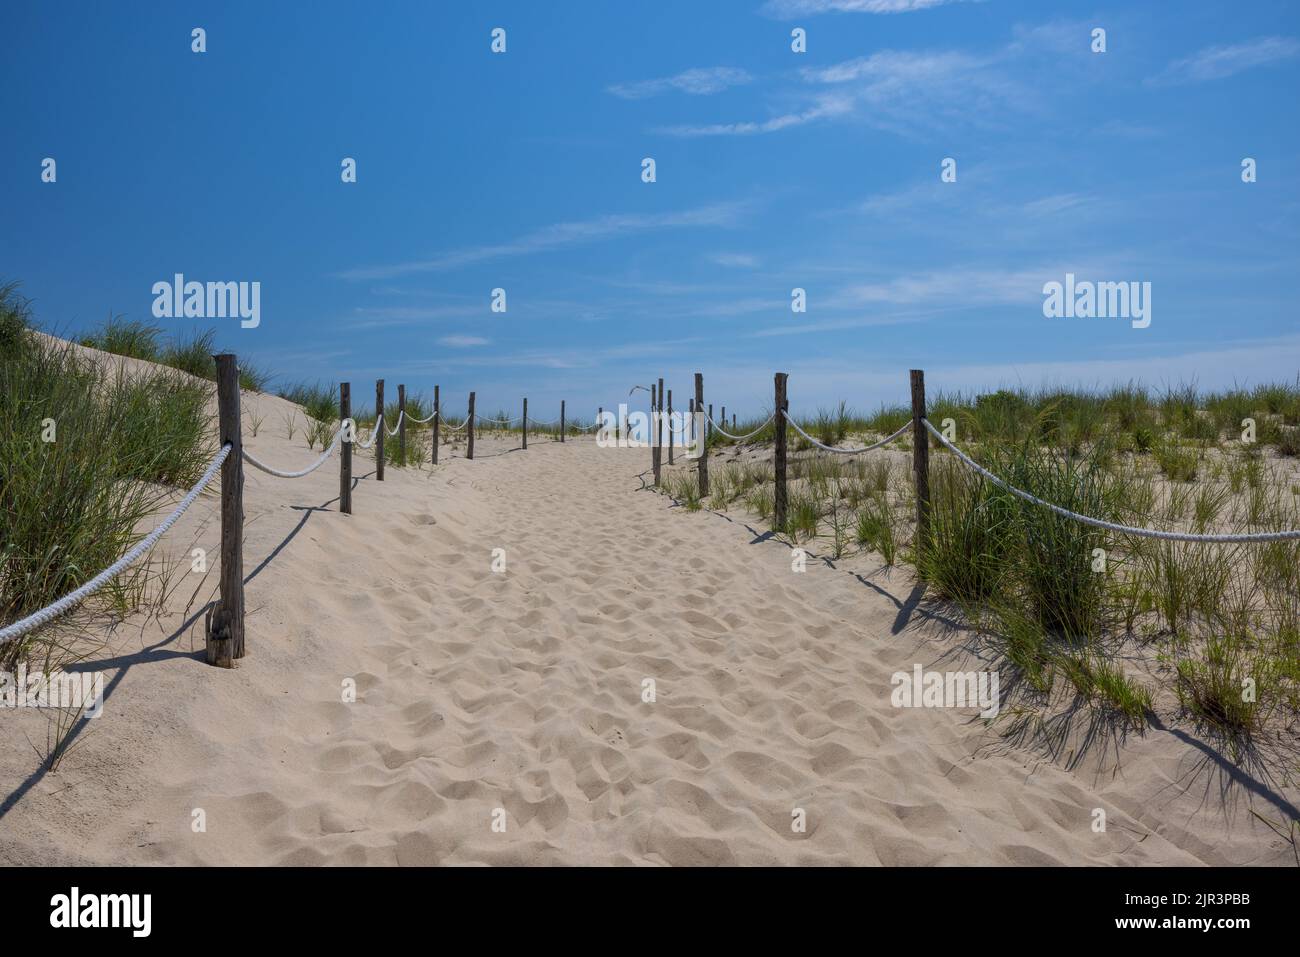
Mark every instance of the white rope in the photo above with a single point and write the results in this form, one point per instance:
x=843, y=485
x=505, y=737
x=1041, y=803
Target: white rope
x=1110, y=526
x=875, y=445
x=741, y=438
x=422, y=421
x=50, y=612
x=374, y=433
x=248, y=457
x=398, y=427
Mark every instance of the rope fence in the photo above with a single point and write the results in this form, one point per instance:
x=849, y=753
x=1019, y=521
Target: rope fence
x=73, y=598
x=278, y=473
x=747, y=435
x=225, y=619
x=1102, y=523
x=921, y=429
x=224, y=624
x=838, y=451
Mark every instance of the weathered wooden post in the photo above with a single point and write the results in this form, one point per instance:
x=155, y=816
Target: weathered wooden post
x=525, y=424
x=345, y=451
x=653, y=430
x=708, y=426
x=437, y=423
x=724, y=416
x=224, y=625
x=561, y=420
x=469, y=429
x=401, y=424
x=670, y=426
x=733, y=422
x=379, y=429
x=659, y=431
x=703, y=467
x=779, y=497
x=920, y=466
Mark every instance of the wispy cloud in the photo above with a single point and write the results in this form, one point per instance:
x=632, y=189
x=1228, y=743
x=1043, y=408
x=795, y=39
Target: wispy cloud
x=734, y=260
x=462, y=342
x=796, y=8
x=697, y=82
x=1218, y=62
x=832, y=325
x=826, y=106
x=559, y=236
x=956, y=288
x=377, y=317
x=905, y=91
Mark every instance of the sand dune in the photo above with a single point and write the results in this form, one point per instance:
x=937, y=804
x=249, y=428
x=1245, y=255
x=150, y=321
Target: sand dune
x=523, y=691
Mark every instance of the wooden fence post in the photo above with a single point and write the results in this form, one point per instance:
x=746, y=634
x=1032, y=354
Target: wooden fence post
x=650, y=432
x=658, y=429
x=561, y=420
x=733, y=422
x=724, y=416
x=380, y=430
x=708, y=426
x=779, y=496
x=345, y=452
x=401, y=423
x=437, y=416
x=469, y=429
x=525, y=424
x=703, y=467
x=670, y=426
x=224, y=625
x=920, y=465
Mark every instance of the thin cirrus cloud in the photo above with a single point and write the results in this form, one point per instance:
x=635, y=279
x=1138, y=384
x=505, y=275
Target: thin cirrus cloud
x=957, y=288
x=796, y=8
x=462, y=342
x=734, y=260
x=826, y=106
x=704, y=81
x=1220, y=62
x=901, y=91
x=560, y=236
x=904, y=90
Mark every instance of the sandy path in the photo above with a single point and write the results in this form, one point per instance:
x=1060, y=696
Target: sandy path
x=522, y=691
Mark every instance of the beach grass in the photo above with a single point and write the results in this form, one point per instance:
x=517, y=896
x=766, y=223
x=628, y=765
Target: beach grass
x=1122, y=625
x=87, y=452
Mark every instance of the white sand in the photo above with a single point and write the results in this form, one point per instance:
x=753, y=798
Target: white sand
x=522, y=691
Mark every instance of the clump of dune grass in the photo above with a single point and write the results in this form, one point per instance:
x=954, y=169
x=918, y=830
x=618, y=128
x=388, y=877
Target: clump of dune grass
x=760, y=501
x=1231, y=687
x=1055, y=554
x=320, y=403
x=189, y=352
x=1100, y=680
x=683, y=487
x=127, y=337
x=965, y=555
x=87, y=453
x=876, y=528
x=803, y=515
x=1178, y=462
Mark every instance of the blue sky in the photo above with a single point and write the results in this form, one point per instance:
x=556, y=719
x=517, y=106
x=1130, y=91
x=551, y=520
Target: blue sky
x=775, y=170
